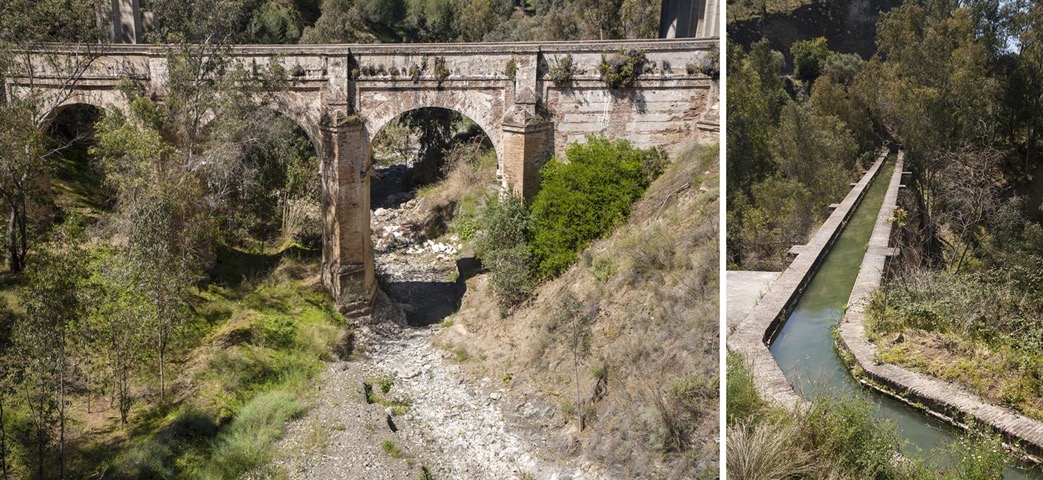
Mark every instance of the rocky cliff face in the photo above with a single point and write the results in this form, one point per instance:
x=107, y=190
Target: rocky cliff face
x=848, y=25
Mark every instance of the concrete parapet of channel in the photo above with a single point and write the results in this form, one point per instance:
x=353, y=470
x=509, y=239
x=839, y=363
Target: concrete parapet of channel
x=946, y=401
x=754, y=333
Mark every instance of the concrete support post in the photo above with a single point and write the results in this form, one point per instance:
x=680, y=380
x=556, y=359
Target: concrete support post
x=526, y=147
x=347, y=252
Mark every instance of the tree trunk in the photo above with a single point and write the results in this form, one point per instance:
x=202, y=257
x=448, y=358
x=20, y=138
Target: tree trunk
x=579, y=409
x=3, y=440
x=13, y=260
x=1030, y=149
x=23, y=242
x=61, y=411
x=162, y=359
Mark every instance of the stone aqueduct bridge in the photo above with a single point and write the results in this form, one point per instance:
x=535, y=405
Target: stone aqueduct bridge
x=342, y=95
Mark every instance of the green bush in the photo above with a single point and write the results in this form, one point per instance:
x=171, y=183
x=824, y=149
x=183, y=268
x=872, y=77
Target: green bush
x=505, y=223
x=809, y=58
x=513, y=279
x=502, y=245
x=585, y=196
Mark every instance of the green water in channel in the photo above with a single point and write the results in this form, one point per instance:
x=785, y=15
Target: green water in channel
x=804, y=350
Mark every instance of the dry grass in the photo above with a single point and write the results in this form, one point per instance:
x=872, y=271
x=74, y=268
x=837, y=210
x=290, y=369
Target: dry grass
x=766, y=451
x=648, y=385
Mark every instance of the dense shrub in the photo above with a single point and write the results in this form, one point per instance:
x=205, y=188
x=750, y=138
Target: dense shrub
x=583, y=197
x=502, y=244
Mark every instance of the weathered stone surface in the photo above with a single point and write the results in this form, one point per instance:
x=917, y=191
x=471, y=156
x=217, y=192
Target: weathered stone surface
x=745, y=289
x=342, y=95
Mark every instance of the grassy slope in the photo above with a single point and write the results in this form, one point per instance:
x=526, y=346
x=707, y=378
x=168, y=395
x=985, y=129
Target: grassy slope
x=654, y=284
x=995, y=367
x=262, y=343
x=739, y=10
x=262, y=328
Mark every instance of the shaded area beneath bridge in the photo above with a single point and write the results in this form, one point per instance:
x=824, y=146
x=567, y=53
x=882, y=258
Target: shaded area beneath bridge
x=425, y=302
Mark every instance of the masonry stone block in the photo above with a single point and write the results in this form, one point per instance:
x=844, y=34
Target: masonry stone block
x=342, y=95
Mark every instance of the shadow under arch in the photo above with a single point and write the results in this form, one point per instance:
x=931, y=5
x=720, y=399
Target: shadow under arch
x=426, y=297
x=281, y=159
x=76, y=181
x=401, y=165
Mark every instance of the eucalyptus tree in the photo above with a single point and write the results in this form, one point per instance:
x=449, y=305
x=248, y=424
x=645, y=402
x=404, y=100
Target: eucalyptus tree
x=27, y=24
x=933, y=87
x=174, y=167
x=45, y=339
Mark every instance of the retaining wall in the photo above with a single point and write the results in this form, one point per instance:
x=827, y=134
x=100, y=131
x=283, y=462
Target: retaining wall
x=754, y=333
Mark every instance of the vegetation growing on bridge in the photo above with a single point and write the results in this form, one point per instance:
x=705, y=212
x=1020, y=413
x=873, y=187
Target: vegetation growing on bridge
x=562, y=70
x=621, y=69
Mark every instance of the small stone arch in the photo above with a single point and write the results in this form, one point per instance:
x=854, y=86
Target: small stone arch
x=103, y=100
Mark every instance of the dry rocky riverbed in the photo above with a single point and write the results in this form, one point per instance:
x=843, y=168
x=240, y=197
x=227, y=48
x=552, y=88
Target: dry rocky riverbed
x=455, y=426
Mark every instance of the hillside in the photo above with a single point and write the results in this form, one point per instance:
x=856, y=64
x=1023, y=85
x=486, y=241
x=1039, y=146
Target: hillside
x=647, y=388
x=848, y=25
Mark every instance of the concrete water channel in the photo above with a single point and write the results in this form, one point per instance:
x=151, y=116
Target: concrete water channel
x=803, y=347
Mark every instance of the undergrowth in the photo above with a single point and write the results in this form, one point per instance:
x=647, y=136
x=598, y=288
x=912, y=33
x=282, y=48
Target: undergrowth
x=838, y=437
x=261, y=344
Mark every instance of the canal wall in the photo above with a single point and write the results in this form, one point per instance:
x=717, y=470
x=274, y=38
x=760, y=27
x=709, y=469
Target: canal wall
x=753, y=334
x=935, y=397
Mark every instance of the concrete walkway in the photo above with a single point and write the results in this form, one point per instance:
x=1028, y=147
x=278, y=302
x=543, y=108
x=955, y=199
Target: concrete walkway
x=745, y=290
x=752, y=334
x=942, y=399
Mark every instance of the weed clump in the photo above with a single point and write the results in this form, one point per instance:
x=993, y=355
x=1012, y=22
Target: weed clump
x=562, y=71
x=620, y=70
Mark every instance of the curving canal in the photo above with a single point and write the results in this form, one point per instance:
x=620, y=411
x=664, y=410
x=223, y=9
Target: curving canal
x=803, y=347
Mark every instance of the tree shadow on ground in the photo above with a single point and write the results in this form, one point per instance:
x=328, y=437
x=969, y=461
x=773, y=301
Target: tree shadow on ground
x=234, y=266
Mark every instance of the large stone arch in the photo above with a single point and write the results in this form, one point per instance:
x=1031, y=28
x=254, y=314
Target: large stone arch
x=304, y=108
x=485, y=107
x=372, y=132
